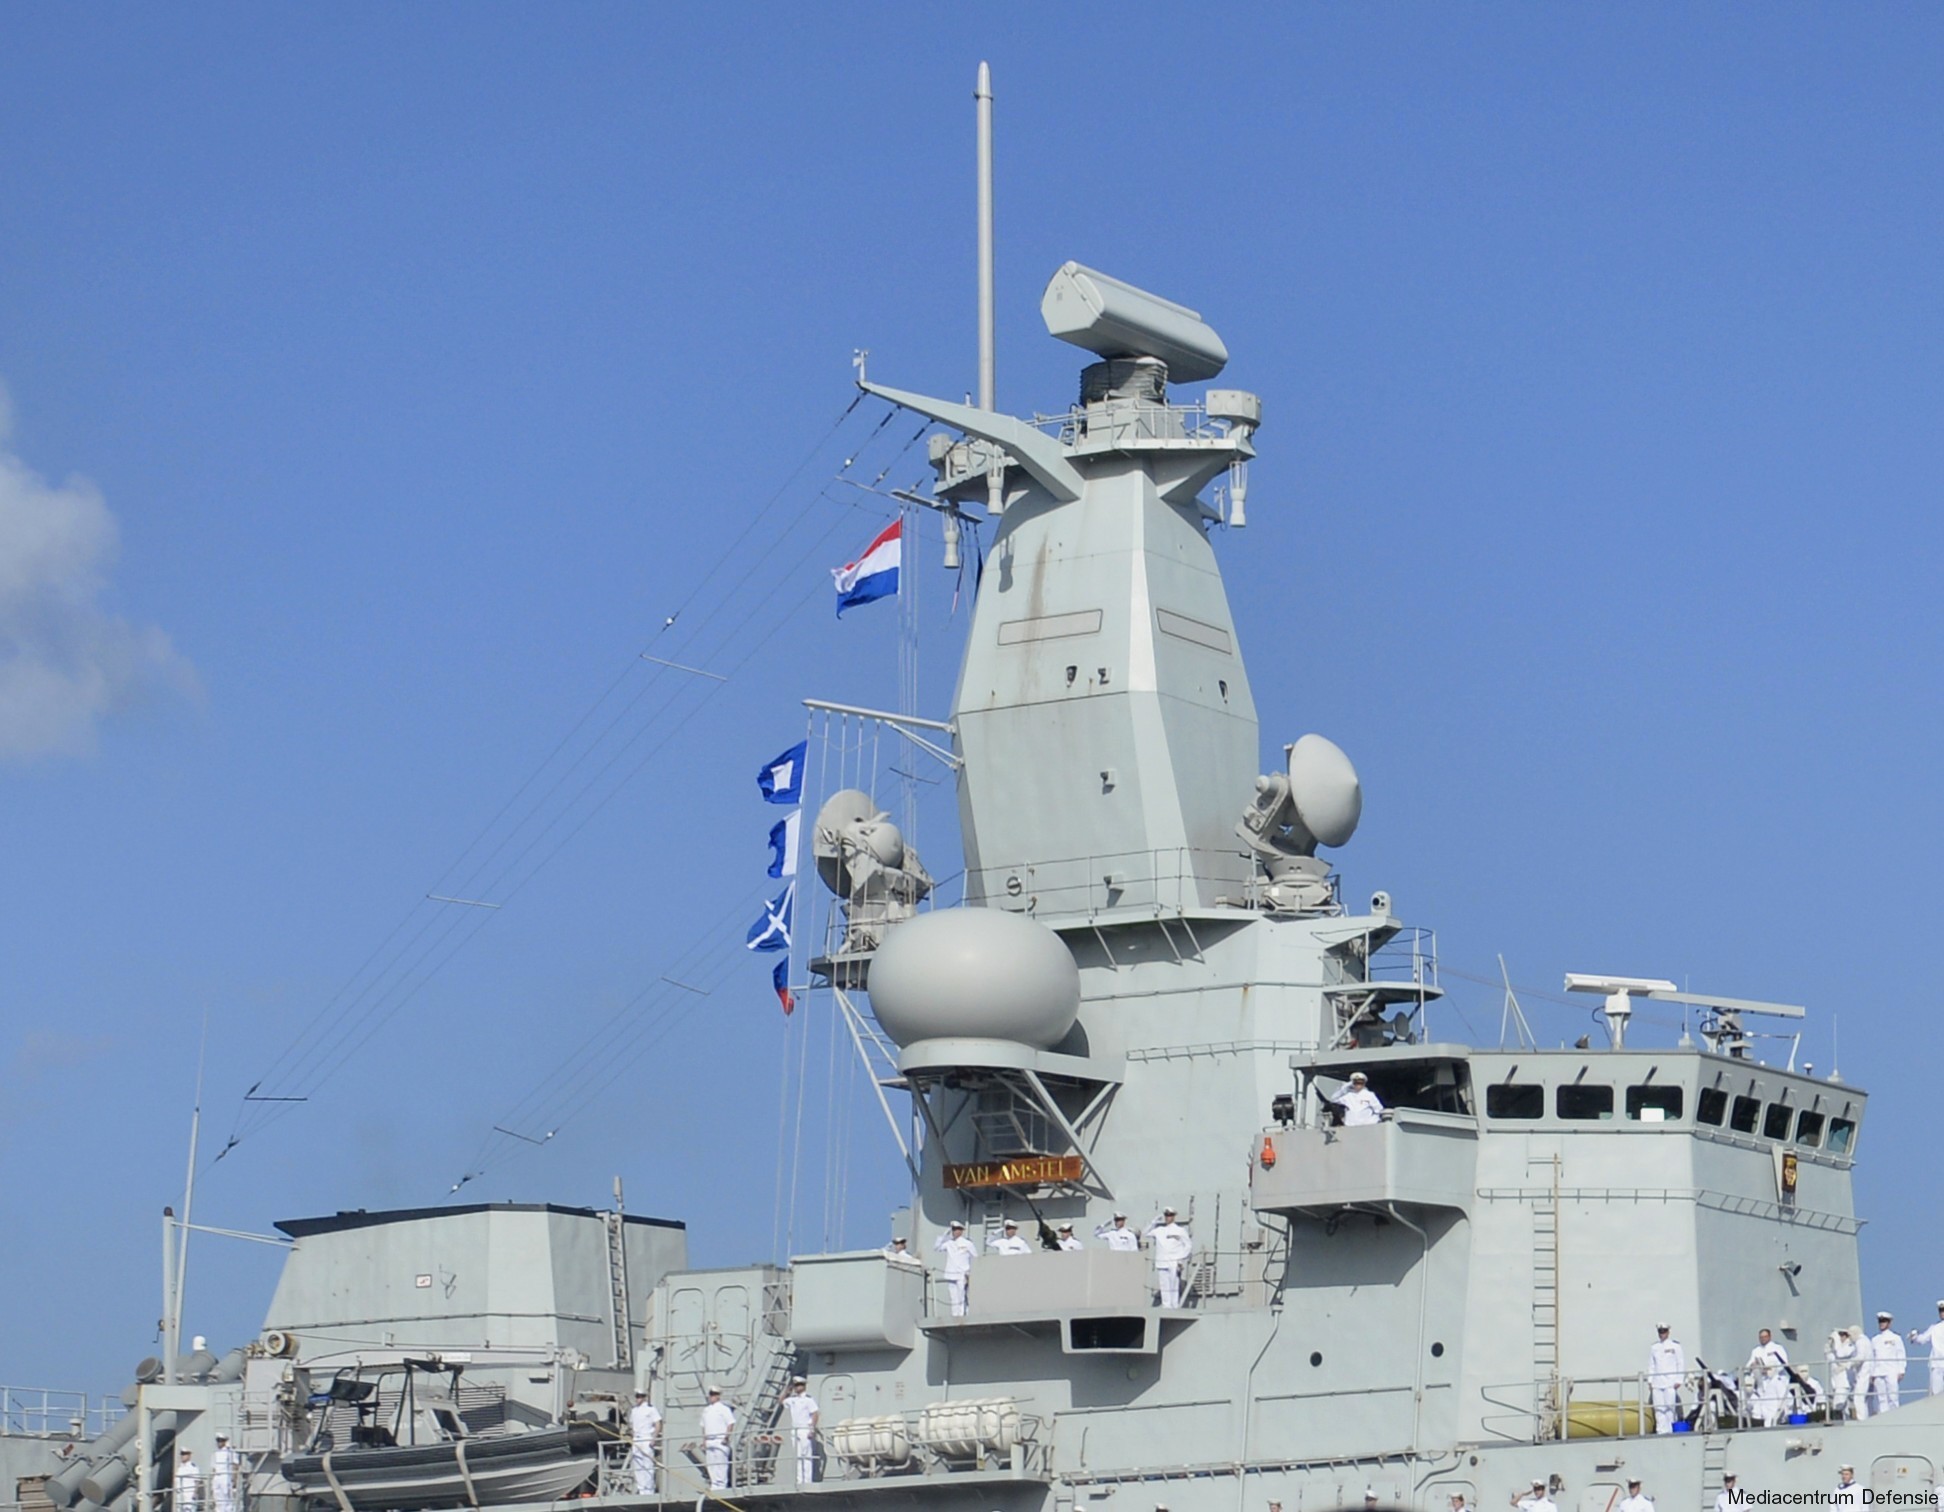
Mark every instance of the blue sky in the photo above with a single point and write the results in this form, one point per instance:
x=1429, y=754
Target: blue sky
x=382, y=378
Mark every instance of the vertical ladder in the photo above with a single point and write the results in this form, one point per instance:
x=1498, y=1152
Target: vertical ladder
x=1714, y=1462
x=617, y=1259
x=1545, y=1308
x=761, y=1430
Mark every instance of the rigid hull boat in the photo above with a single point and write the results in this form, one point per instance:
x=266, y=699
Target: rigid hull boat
x=1154, y=997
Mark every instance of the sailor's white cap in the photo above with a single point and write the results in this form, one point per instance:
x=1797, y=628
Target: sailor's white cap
x=1358, y=1076
x=1884, y=1315
x=1012, y=1223
x=715, y=1391
x=1166, y=1212
x=1120, y=1215
x=1661, y=1328
x=641, y=1391
x=799, y=1380
x=1538, y=1484
x=1370, y=1493
x=1940, y=1305
x=1727, y=1475
x=1850, y=1468
x=897, y=1238
x=1633, y=1480
x=1066, y=1228
x=222, y=1438
x=958, y=1223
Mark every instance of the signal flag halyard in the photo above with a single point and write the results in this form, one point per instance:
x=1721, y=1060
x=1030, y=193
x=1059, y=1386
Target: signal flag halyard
x=782, y=779
x=874, y=575
x=783, y=845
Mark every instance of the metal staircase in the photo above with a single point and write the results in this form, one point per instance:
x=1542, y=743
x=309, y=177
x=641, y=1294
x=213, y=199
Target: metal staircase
x=760, y=1433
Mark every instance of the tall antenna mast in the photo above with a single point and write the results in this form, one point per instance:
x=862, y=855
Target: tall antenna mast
x=988, y=375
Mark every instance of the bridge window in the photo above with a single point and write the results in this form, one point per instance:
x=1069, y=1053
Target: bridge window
x=1775, y=1123
x=1742, y=1118
x=1842, y=1133
x=1583, y=1100
x=1654, y=1104
x=1809, y=1128
x=1515, y=1100
x=1711, y=1106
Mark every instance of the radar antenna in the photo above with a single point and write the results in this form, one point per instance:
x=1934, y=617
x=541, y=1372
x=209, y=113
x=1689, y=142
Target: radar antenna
x=1721, y=1027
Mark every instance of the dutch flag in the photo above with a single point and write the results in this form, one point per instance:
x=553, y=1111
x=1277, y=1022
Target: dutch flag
x=874, y=575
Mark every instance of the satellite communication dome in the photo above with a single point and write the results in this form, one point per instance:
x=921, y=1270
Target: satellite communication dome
x=975, y=973
x=1323, y=785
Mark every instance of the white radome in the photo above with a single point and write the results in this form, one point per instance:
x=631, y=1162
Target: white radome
x=975, y=973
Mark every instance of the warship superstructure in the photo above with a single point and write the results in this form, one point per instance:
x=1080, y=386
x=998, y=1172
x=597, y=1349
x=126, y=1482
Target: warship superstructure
x=1152, y=997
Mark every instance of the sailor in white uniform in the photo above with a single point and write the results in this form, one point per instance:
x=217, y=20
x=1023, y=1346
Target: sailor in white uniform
x=188, y=1484
x=1118, y=1235
x=1888, y=1361
x=1009, y=1243
x=1725, y=1497
x=1067, y=1241
x=226, y=1476
x=958, y=1252
x=899, y=1252
x=1768, y=1386
x=1666, y=1368
x=1932, y=1338
x=1845, y=1356
x=1534, y=1500
x=718, y=1419
x=644, y=1427
x=1846, y=1490
x=1633, y=1501
x=1172, y=1247
x=802, y=1408
x=1360, y=1105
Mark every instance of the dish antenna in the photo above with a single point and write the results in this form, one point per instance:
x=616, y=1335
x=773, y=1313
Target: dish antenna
x=862, y=857
x=1316, y=800
x=1722, y=1028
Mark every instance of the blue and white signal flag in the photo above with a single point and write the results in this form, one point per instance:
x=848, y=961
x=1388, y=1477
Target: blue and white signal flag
x=782, y=779
x=772, y=931
x=783, y=845
x=874, y=575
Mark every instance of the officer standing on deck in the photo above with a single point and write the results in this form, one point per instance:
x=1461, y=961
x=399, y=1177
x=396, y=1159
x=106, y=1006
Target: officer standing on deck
x=718, y=1418
x=1769, y=1386
x=1888, y=1361
x=1067, y=1241
x=1666, y=1367
x=1534, y=1500
x=1009, y=1243
x=1933, y=1339
x=1118, y=1235
x=1360, y=1106
x=644, y=1427
x=225, y=1475
x=188, y=1484
x=1633, y=1501
x=958, y=1252
x=802, y=1408
x=1172, y=1247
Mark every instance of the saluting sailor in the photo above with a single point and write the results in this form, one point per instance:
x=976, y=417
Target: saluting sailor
x=1666, y=1367
x=1534, y=1500
x=958, y=1252
x=644, y=1427
x=1118, y=1235
x=1845, y=1353
x=1009, y=1243
x=899, y=1253
x=1360, y=1105
x=1932, y=1338
x=1172, y=1247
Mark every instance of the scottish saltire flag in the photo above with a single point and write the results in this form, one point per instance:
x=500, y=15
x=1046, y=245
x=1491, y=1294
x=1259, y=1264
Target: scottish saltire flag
x=783, y=845
x=780, y=980
x=772, y=931
x=782, y=779
x=874, y=575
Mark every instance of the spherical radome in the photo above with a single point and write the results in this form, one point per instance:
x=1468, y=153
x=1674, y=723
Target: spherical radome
x=975, y=973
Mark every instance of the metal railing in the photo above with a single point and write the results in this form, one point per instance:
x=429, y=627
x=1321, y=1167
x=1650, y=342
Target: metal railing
x=47, y=1412
x=1168, y=880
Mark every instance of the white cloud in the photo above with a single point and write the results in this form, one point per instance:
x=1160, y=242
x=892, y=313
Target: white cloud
x=66, y=663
